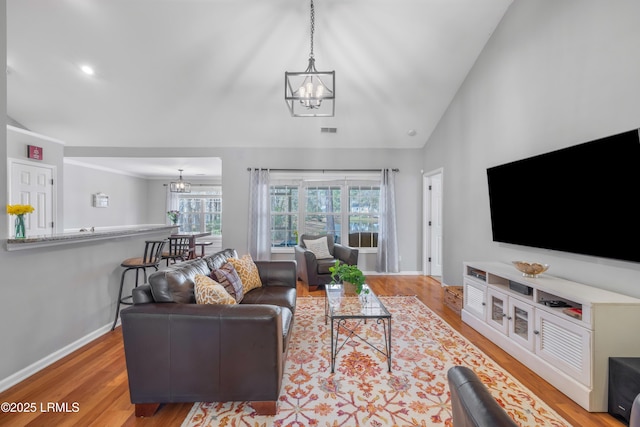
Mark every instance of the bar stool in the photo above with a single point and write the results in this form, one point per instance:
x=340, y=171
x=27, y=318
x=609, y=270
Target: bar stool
x=202, y=246
x=151, y=258
x=179, y=249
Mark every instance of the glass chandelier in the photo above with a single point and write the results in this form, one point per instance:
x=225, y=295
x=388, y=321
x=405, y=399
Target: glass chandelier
x=180, y=186
x=310, y=93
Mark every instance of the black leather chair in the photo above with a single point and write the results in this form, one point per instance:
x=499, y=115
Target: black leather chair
x=472, y=404
x=315, y=272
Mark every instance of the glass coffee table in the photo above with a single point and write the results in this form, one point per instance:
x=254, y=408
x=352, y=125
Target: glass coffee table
x=341, y=309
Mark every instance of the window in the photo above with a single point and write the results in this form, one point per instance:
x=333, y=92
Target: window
x=364, y=202
x=348, y=209
x=284, y=215
x=322, y=211
x=201, y=211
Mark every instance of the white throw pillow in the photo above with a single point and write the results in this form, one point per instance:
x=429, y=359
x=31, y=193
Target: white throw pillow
x=319, y=247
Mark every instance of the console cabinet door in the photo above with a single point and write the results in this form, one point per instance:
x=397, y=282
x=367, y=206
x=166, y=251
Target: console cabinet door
x=498, y=309
x=475, y=298
x=564, y=345
x=521, y=324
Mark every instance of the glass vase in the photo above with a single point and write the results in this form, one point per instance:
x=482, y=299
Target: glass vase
x=20, y=230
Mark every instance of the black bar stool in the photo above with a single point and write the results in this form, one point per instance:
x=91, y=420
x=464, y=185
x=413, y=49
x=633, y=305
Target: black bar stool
x=179, y=249
x=151, y=258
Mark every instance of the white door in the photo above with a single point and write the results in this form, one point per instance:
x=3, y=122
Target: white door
x=432, y=264
x=33, y=185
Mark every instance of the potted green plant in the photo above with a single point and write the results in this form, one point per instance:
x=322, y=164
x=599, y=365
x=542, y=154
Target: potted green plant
x=347, y=274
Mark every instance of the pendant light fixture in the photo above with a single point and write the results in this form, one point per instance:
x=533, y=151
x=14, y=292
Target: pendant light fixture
x=310, y=93
x=180, y=186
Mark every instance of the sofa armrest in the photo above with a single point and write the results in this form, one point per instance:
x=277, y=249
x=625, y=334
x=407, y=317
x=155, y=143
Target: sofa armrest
x=163, y=343
x=346, y=254
x=142, y=294
x=277, y=273
x=471, y=402
x=307, y=264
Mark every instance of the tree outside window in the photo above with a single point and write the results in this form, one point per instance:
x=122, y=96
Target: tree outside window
x=284, y=215
x=201, y=211
x=303, y=208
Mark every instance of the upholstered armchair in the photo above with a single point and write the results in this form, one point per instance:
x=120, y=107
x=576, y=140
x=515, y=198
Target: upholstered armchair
x=313, y=258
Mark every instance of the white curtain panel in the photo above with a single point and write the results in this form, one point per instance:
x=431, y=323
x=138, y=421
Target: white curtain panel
x=172, y=204
x=259, y=215
x=387, y=260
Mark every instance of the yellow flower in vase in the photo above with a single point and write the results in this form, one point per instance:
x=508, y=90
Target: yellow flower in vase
x=19, y=211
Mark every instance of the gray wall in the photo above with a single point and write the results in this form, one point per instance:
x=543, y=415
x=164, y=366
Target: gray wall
x=128, y=198
x=554, y=74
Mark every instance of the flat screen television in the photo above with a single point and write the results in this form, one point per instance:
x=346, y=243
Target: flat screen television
x=582, y=199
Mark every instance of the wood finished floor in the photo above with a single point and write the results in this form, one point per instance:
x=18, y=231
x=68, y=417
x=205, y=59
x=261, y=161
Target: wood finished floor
x=95, y=376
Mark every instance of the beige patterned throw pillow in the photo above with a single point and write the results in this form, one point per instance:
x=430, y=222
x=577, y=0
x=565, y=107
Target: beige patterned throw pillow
x=208, y=291
x=248, y=272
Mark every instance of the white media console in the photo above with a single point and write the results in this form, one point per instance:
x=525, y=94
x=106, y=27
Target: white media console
x=562, y=330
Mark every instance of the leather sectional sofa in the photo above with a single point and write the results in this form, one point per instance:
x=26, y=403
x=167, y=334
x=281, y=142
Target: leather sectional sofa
x=180, y=351
x=471, y=402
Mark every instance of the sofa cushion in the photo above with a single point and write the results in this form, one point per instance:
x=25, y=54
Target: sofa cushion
x=172, y=286
x=274, y=295
x=228, y=277
x=208, y=291
x=217, y=260
x=248, y=272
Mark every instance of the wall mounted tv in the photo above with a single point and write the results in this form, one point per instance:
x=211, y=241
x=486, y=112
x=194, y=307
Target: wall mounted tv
x=582, y=199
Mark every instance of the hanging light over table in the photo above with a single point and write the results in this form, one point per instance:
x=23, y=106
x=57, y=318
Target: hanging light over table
x=310, y=93
x=180, y=186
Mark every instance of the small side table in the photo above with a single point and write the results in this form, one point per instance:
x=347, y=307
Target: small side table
x=624, y=385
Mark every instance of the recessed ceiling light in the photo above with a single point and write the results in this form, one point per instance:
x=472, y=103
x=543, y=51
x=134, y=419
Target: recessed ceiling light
x=88, y=70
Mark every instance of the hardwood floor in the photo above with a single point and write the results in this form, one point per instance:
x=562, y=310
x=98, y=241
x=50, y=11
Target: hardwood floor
x=92, y=381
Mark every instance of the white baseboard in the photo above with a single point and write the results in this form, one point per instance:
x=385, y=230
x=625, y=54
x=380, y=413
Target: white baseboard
x=25, y=373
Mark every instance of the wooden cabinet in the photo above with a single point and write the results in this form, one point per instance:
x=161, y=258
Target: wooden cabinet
x=564, y=331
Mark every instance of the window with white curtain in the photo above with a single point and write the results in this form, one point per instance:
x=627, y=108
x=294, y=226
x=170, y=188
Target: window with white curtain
x=348, y=208
x=201, y=210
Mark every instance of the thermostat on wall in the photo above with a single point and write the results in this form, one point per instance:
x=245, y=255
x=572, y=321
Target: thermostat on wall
x=100, y=200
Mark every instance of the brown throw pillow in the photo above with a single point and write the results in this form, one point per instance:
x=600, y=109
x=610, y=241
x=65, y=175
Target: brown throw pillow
x=228, y=277
x=248, y=272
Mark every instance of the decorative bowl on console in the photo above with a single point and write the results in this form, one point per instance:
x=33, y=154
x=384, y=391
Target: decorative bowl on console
x=530, y=269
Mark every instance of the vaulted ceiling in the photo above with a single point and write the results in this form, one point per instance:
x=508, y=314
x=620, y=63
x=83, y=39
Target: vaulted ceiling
x=210, y=73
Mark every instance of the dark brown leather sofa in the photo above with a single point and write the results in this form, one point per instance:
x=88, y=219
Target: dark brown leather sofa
x=180, y=351
x=472, y=404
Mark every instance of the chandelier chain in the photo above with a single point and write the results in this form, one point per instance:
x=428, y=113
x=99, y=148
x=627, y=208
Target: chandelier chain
x=313, y=27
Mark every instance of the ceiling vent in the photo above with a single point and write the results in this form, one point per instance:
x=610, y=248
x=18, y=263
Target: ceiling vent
x=328, y=130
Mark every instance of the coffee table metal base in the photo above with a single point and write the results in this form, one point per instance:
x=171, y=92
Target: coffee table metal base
x=340, y=323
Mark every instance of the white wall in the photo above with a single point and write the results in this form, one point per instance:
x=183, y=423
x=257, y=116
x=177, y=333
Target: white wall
x=554, y=74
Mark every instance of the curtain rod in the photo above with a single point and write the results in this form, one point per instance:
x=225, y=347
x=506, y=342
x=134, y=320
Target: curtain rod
x=322, y=170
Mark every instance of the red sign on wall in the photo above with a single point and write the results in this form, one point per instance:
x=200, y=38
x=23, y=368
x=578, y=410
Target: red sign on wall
x=34, y=152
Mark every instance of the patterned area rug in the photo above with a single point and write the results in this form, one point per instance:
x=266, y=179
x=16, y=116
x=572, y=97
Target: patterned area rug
x=361, y=392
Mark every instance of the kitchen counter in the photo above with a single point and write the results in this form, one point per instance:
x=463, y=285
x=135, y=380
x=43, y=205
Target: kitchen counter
x=88, y=236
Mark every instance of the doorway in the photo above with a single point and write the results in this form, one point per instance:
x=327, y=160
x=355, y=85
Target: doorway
x=32, y=184
x=432, y=223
